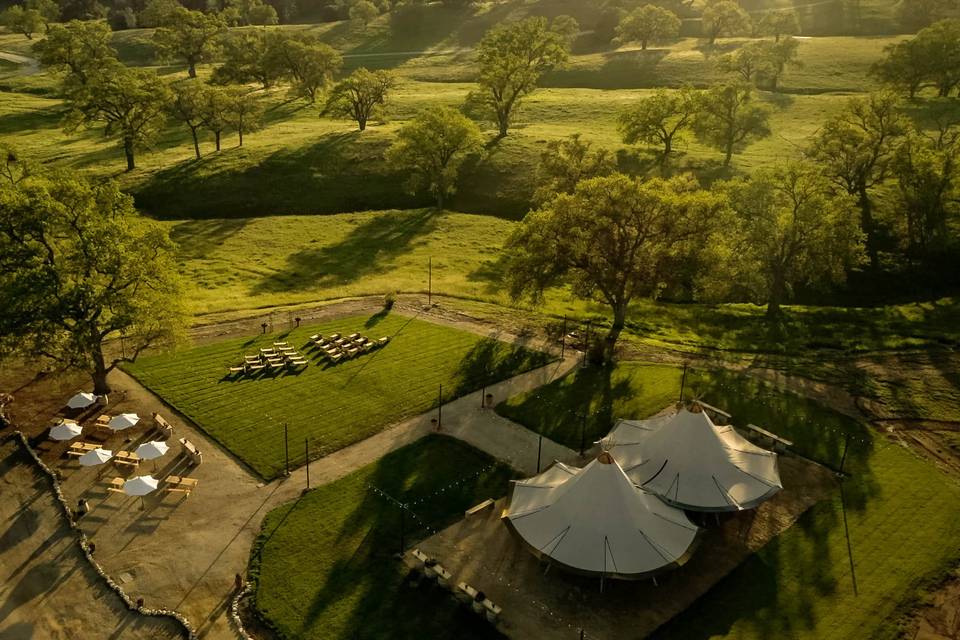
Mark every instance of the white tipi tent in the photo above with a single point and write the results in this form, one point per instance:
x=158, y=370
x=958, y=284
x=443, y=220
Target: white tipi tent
x=594, y=521
x=694, y=464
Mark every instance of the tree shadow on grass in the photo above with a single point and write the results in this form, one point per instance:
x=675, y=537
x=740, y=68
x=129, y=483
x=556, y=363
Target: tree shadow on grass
x=43, y=118
x=195, y=238
x=332, y=173
x=437, y=478
x=369, y=247
x=490, y=361
x=620, y=70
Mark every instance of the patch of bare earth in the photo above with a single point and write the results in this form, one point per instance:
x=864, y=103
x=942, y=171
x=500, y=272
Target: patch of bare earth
x=49, y=590
x=551, y=604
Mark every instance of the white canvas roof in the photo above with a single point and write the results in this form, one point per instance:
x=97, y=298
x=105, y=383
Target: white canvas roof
x=694, y=464
x=596, y=522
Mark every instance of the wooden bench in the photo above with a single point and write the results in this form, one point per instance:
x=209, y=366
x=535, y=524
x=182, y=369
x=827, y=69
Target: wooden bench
x=443, y=576
x=465, y=592
x=486, y=504
x=779, y=444
x=493, y=611
x=186, y=491
x=191, y=451
x=720, y=415
x=115, y=485
x=161, y=425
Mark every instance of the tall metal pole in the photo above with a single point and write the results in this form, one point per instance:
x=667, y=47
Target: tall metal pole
x=583, y=432
x=843, y=458
x=306, y=447
x=286, y=449
x=403, y=509
x=440, y=408
x=430, y=282
x=539, y=448
x=683, y=382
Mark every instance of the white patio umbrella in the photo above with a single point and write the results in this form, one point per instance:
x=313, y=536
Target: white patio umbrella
x=81, y=401
x=123, y=421
x=95, y=457
x=140, y=486
x=66, y=430
x=152, y=450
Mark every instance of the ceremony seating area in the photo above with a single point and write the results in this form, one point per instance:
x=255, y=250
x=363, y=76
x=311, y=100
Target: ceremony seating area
x=281, y=356
x=335, y=347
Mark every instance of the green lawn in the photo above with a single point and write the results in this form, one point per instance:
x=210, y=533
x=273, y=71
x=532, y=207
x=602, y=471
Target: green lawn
x=334, y=406
x=903, y=513
x=327, y=569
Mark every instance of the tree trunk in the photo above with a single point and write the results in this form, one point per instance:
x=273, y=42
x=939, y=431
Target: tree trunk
x=729, y=154
x=99, y=373
x=866, y=222
x=503, y=123
x=196, y=142
x=217, y=136
x=362, y=123
x=643, y=44
x=667, y=149
x=610, y=341
x=240, y=135
x=440, y=191
x=128, y=151
x=776, y=297
x=192, y=69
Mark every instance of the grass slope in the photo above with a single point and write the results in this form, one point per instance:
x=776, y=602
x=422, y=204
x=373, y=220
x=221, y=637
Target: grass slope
x=326, y=567
x=903, y=513
x=334, y=406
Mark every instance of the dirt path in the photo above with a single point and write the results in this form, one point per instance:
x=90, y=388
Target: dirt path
x=27, y=65
x=49, y=590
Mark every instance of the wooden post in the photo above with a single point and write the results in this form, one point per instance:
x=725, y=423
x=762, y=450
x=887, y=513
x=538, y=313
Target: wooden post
x=306, y=447
x=563, y=338
x=286, y=449
x=539, y=448
x=403, y=509
x=583, y=433
x=430, y=282
x=440, y=409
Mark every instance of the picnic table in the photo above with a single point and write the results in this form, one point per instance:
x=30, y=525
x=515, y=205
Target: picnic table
x=79, y=448
x=180, y=484
x=127, y=459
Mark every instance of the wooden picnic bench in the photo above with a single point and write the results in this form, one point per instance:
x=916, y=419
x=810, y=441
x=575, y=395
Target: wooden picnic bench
x=179, y=484
x=162, y=425
x=486, y=504
x=191, y=451
x=115, y=485
x=779, y=444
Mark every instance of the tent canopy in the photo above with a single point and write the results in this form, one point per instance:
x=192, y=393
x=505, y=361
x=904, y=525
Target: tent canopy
x=594, y=521
x=694, y=464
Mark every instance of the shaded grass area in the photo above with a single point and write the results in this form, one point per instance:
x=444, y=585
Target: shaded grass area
x=635, y=390
x=325, y=564
x=903, y=513
x=333, y=406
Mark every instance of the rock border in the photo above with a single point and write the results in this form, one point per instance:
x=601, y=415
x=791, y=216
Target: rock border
x=188, y=629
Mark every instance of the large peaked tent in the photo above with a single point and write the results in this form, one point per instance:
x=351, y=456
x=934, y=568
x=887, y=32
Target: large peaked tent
x=594, y=521
x=691, y=463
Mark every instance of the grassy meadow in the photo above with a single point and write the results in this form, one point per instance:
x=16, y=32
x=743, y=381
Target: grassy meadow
x=324, y=564
x=332, y=405
x=903, y=514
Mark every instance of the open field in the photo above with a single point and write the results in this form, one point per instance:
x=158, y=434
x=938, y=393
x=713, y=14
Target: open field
x=333, y=406
x=799, y=585
x=325, y=565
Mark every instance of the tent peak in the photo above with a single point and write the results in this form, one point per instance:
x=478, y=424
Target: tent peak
x=605, y=458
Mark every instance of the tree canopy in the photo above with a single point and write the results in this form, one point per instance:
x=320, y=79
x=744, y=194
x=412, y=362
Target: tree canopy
x=566, y=162
x=432, y=147
x=785, y=227
x=855, y=149
x=191, y=36
x=725, y=18
x=930, y=59
x=660, y=119
x=512, y=58
x=785, y=22
x=79, y=268
x=359, y=95
x=648, y=23
x=729, y=118
x=80, y=49
x=611, y=240
x=131, y=103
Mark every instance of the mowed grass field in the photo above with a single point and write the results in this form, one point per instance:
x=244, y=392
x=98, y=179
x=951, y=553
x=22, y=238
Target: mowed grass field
x=324, y=564
x=903, y=513
x=334, y=406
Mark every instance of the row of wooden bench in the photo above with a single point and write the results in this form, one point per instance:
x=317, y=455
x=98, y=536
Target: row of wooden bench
x=335, y=348
x=463, y=592
x=174, y=484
